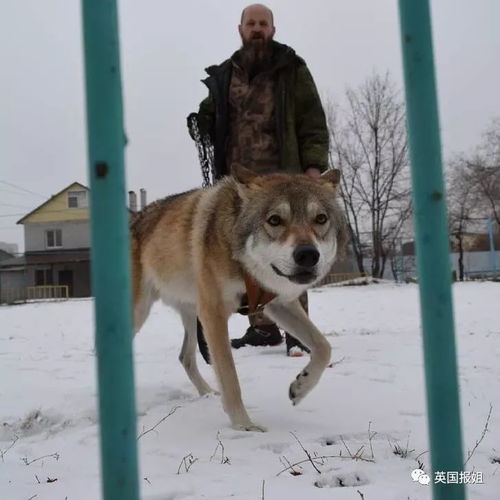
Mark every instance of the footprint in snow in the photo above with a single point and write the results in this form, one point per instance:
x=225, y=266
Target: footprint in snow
x=336, y=479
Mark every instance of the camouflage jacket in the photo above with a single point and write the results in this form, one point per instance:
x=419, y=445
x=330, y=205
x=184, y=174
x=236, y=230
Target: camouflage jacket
x=300, y=123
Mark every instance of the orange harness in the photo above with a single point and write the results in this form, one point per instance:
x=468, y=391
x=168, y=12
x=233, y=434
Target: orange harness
x=257, y=296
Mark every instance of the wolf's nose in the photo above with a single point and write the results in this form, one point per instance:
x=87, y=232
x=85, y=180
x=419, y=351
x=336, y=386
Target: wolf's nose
x=306, y=255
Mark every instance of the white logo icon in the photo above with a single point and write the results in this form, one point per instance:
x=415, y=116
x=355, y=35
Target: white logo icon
x=420, y=476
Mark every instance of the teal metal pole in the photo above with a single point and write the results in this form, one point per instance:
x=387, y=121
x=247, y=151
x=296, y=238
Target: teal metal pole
x=443, y=408
x=110, y=251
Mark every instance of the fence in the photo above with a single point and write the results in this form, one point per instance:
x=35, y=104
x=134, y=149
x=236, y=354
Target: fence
x=47, y=292
x=13, y=295
x=338, y=277
x=484, y=274
x=109, y=262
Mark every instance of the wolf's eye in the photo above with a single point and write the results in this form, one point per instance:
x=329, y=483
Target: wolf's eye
x=275, y=220
x=321, y=219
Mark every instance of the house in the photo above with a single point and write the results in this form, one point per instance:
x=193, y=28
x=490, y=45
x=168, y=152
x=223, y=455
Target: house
x=57, y=247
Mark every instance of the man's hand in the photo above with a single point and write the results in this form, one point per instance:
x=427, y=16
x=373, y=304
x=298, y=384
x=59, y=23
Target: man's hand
x=313, y=172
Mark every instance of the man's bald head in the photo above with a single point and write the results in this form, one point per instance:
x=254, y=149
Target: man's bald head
x=257, y=25
x=259, y=7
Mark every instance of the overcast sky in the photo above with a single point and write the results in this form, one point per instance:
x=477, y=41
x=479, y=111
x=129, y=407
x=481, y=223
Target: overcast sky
x=166, y=45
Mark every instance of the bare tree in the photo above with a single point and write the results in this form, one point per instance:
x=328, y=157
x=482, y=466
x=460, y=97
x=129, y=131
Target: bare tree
x=369, y=145
x=483, y=171
x=461, y=207
x=400, y=265
x=474, y=188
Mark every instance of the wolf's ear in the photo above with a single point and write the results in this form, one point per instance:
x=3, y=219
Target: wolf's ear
x=241, y=174
x=332, y=177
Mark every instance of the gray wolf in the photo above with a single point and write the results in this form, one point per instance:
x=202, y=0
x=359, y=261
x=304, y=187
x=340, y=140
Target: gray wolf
x=195, y=250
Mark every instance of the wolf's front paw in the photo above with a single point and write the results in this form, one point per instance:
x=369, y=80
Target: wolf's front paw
x=250, y=426
x=203, y=391
x=300, y=387
x=210, y=393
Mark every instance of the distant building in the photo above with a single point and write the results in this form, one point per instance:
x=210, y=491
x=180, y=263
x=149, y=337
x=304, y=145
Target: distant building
x=57, y=247
x=10, y=248
x=5, y=255
x=478, y=257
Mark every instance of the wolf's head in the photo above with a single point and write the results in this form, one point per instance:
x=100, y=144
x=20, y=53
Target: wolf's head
x=290, y=228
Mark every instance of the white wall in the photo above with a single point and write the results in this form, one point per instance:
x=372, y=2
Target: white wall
x=75, y=234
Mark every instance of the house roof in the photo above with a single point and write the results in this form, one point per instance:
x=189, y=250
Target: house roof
x=5, y=255
x=65, y=258
x=10, y=263
x=21, y=221
x=45, y=258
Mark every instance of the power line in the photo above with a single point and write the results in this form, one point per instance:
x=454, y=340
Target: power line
x=12, y=192
x=23, y=189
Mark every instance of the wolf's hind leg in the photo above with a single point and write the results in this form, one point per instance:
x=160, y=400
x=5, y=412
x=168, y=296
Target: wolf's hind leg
x=292, y=318
x=143, y=300
x=188, y=351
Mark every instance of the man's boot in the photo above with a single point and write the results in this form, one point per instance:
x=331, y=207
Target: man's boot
x=294, y=348
x=259, y=335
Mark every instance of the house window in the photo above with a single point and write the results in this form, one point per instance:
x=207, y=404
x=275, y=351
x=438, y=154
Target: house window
x=43, y=277
x=77, y=199
x=54, y=238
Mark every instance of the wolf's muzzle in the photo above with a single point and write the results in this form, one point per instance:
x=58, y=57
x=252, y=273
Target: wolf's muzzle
x=306, y=256
x=301, y=276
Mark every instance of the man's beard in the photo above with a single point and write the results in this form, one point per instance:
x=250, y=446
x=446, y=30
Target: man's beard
x=256, y=55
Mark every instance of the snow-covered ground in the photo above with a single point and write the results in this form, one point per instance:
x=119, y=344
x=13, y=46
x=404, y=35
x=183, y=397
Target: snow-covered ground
x=369, y=404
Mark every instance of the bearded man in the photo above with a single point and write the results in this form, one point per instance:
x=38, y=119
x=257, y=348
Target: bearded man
x=263, y=111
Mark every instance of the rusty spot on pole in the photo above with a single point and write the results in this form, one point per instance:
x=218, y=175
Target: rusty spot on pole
x=101, y=169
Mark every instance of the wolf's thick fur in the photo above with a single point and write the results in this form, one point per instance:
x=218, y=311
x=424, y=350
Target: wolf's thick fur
x=192, y=251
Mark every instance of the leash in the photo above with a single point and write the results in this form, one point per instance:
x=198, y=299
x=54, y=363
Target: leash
x=257, y=297
x=205, y=150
